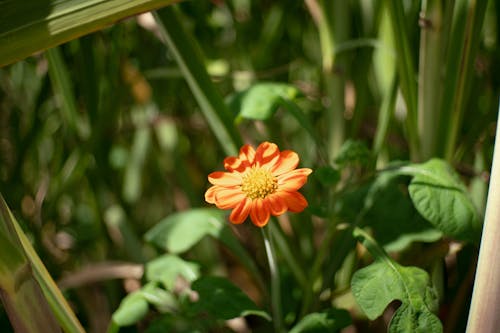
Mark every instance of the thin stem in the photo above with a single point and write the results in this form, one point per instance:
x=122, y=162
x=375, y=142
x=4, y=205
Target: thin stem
x=275, y=281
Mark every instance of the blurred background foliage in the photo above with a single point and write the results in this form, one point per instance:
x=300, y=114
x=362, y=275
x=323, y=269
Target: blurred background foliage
x=101, y=138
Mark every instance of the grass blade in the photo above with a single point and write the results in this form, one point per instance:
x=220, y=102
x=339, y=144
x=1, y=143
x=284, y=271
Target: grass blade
x=187, y=55
x=33, y=25
x=21, y=293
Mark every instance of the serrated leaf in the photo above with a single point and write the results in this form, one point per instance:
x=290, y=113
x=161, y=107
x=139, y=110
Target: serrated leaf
x=131, y=310
x=260, y=101
x=331, y=320
x=384, y=281
x=167, y=268
x=221, y=299
x=440, y=197
x=178, y=232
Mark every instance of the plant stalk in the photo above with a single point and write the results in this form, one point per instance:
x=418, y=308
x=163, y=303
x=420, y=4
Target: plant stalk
x=275, y=281
x=483, y=314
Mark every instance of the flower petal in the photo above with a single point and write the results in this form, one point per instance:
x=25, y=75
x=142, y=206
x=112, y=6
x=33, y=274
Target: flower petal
x=247, y=153
x=227, y=197
x=235, y=164
x=294, y=200
x=267, y=154
x=276, y=204
x=293, y=180
x=240, y=212
x=259, y=213
x=287, y=162
x=210, y=194
x=224, y=178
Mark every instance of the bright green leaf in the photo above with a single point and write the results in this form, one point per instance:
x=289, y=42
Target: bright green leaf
x=167, y=268
x=178, y=232
x=221, y=299
x=440, y=196
x=331, y=320
x=131, y=310
x=384, y=281
x=163, y=300
x=261, y=100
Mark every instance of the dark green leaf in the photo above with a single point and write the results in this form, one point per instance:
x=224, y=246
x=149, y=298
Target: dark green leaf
x=332, y=320
x=384, y=281
x=221, y=299
x=354, y=152
x=440, y=196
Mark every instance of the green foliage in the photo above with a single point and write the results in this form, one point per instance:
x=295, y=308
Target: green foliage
x=440, y=196
x=384, y=281
x=221, y=299
x=332, y=320
x=106, y=142
x=261, y=100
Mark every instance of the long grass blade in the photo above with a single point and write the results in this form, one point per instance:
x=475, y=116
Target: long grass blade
x=187, y=55
x=468, y=17
x=33, y=25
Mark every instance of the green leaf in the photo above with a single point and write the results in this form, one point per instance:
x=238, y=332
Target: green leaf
x=221, y=299
x=163, y=300
x=440, y=197
x=32, y=25
x=131, y=310
x=331, y=320
x=167, y=268
x=354, y=152
x=394, y=220
x=384, y=281
x=327, y=176
x=260, y=101
x=178, y=232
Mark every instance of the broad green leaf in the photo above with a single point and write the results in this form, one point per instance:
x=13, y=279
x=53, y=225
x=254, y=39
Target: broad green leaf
x=388, y=211
x=167, y=268
x=32, y=25
x=384, y=281
x=131, y=310
x=440, y=197
x=331, y=320
x=261, y=100
x=394, y=220
x=178, y=232
x=221, y=299
x=163, y=300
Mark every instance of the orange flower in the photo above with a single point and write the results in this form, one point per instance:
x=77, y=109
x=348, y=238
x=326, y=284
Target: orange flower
x=260, y=183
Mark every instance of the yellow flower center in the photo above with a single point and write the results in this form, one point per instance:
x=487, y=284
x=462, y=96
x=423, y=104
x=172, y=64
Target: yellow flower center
x=259, y=183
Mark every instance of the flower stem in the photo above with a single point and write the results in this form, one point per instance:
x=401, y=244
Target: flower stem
x=275, y=281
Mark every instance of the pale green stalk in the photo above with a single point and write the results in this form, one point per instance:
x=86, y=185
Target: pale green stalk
x=430, y=79
x=483, y=314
